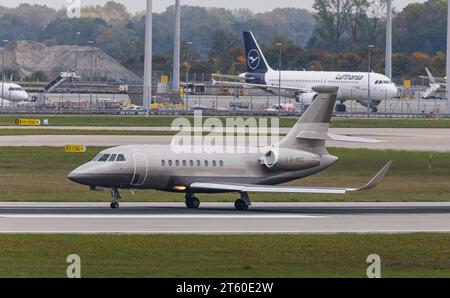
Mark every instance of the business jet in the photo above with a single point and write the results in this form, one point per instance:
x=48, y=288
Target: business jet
x=300, y=154
x=12, y=92
x=300, y=84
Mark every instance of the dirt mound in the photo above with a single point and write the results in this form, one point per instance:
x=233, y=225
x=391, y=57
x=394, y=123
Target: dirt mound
x=28, y=56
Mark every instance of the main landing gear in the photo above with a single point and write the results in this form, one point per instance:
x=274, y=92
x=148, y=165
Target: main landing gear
x=191, y=201
x=115, y=196
x=243, y=203
x=341, y=108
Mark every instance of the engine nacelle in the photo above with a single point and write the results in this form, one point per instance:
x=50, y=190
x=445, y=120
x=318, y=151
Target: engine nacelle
x=306, y=98
x=289, y=160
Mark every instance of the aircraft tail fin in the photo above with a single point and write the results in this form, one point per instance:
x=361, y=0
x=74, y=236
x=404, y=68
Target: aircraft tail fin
x=256, y=62
x=430, y=76
x=316, y=120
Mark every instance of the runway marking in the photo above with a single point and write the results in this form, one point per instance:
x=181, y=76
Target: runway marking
x=156, y=216
x=247, y=232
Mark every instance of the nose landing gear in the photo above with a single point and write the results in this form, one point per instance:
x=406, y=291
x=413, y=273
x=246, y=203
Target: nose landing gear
x=341, y=108
x=115, y=196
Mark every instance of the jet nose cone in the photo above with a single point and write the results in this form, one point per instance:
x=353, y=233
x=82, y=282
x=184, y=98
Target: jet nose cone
x=78, y=177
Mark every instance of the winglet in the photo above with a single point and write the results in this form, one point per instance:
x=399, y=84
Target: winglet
x=375, y=180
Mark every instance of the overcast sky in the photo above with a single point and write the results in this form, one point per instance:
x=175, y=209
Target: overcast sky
x=160, y=5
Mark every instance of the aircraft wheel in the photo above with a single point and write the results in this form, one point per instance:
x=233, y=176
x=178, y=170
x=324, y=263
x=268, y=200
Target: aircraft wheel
x=241, y=205
x=115, y=205
x=375, y=110
x=193, y=203
x=341, y=108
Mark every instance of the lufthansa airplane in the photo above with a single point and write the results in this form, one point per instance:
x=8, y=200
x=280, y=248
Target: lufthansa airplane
x=300, y=84
x=300, y=154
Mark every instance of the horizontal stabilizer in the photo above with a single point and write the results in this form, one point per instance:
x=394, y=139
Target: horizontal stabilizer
x=311, y=135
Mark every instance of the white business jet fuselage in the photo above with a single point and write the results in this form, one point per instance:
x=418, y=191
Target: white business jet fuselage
x=12, y=92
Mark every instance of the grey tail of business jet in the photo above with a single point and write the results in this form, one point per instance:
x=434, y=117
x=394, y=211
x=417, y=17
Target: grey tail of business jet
x=256, y=62
x=311, y=131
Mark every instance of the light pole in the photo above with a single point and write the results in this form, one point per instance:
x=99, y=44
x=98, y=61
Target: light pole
x=177, y=49
x=448, y=59
x=369, y=106
x=389, y=39
x=76, y=50
x=188, y=43
x=5, y=41
x=91, y=43
x=280, y=45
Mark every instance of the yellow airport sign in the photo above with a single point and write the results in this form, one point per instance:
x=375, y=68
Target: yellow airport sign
x=165, y=79
x=28, y=122
x=75, y=148
x=407, y=83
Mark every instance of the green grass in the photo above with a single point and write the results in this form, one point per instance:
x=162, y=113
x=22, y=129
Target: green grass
x=79, y=132
x=39, y=174
x=166, y=121
x=342, y=255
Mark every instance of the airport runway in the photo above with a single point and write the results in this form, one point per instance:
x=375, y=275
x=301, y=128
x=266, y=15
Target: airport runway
x=221, y=218
x=410, y=139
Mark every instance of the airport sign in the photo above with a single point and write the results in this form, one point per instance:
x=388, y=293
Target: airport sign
x=75, y=148
x=28, y=122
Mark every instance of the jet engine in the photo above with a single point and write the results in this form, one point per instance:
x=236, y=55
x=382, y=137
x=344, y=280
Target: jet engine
x=289, y=160
x=306, y=98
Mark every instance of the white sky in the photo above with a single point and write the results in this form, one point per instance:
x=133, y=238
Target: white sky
x=161, y=5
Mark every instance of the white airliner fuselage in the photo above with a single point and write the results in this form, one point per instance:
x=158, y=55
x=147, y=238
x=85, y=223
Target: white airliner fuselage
x=12, y=92
x=352, y=86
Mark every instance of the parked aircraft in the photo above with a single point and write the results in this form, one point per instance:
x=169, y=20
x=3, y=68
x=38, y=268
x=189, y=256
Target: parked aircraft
x=12, y=92
x=300, y=154
x=300, y=84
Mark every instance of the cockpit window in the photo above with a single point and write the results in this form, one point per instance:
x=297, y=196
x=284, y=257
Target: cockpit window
x=15, y=89
x=121, y=157
x=112, y=157
x=104, y=157
x=97, y=157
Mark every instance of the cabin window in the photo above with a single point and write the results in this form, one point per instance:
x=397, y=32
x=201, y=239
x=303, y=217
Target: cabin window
x=177, y=163
x=206, y=163
x=104, y=157
x=221, y=163
x=121, y=157
x=163, y=163
x=112, y=158
x=214, y=163
x=191, y=163
x=199, y=163
x=170, y=163
x=184, y=163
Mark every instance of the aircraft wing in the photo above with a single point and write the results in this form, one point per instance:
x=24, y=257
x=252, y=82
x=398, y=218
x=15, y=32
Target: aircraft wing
x=290, y=189
x=249, y=85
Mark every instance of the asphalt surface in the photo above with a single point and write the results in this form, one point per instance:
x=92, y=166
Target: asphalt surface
x=410, y=139
x=221, y=218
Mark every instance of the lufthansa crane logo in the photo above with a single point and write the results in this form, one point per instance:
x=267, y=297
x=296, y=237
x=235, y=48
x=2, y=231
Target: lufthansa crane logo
x=253, y=59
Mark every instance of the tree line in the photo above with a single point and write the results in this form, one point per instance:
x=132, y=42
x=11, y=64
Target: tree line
x=334, y=36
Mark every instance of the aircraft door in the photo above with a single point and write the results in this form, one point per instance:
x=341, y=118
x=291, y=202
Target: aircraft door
x=140, y=174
